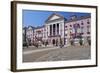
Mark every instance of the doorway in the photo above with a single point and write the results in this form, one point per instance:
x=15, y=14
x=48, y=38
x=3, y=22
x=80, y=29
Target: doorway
x=53, y=41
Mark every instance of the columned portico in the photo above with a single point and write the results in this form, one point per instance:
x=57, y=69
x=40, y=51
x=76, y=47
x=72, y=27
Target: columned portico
x=54, y=29
x=55, y=23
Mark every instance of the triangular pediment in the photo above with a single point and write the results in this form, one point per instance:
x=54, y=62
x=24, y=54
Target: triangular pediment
x=54, y=17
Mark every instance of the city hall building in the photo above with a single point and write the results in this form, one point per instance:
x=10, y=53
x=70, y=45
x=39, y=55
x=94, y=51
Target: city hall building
x=57, y=29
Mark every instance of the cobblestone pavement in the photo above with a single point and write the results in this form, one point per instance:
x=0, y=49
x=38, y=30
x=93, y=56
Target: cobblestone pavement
x=59, y=54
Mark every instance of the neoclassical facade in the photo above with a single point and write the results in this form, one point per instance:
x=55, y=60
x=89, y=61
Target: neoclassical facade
x=54, y=26
x=59, y=30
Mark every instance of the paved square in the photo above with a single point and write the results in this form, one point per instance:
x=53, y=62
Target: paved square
x=33, y=54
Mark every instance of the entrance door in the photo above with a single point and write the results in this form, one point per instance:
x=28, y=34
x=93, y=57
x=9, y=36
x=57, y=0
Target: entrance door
x=53, y=41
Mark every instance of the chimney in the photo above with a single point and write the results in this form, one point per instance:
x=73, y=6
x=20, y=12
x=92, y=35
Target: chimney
x=73, y=17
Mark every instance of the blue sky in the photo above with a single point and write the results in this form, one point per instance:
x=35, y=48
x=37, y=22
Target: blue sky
x=37, y=18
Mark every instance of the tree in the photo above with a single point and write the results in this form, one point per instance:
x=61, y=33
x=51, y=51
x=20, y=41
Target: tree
x=61, y=43
x=81, y=42
x=56, y=42
x=36, y=44
x=72, y=42
x=46, y=43
x=89, y=41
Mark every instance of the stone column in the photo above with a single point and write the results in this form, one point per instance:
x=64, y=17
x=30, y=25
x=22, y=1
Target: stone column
x=59, y=29
x=56, y=29
x=49, y=30
x=52, y=30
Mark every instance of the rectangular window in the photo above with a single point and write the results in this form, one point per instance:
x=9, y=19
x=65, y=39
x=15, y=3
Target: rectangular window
x=65, y=34
x=88, y=32
x=82, y=28
x=82, y=23
x=88, y=29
